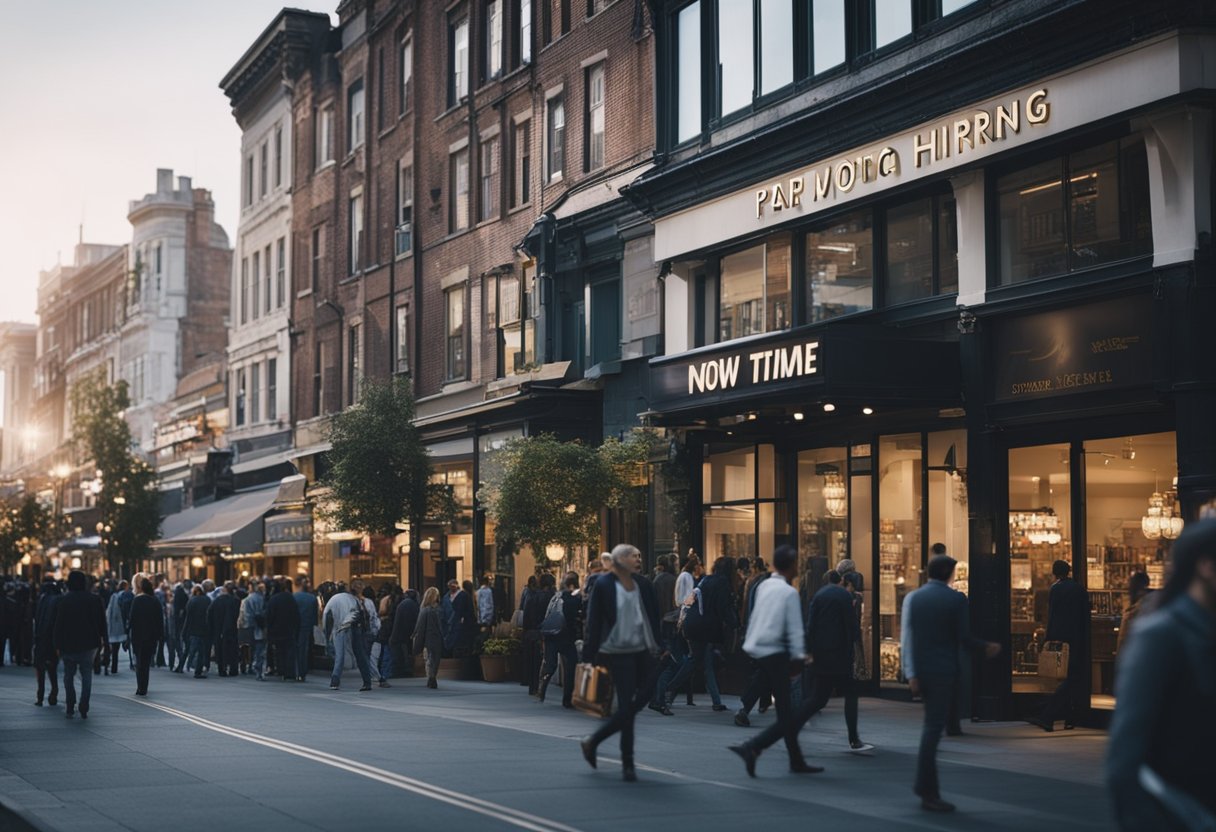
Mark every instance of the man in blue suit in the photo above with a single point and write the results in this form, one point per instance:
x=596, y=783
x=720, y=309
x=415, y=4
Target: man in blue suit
x=936, y=626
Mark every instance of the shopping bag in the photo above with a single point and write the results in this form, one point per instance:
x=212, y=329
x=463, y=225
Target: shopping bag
x=592, y=690
x=1053, y=660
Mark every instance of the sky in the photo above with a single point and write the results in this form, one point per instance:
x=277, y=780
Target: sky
x=100, y=95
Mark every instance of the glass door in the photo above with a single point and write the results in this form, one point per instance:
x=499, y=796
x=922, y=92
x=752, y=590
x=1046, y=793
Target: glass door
x=901, y=551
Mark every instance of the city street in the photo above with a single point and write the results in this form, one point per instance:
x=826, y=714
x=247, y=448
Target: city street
x=273, y=755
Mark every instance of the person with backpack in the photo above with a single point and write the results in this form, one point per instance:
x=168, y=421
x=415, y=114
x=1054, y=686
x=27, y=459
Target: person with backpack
x=534, y=614
x=347, y=622
x=708, y=619
x=559, y=631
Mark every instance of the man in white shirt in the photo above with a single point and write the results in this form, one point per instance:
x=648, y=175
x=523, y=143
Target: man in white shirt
x=485, y=603
x=776, y=641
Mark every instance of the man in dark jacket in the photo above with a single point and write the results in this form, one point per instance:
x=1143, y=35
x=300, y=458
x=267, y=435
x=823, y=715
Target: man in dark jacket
x=936, y=628
x=665, y=584
x=401, y=639
x=147, y=630
x=221, y=627
x=282, y=627
x=534, y=613
x=198, y=633
x=306, y=606
x=831, y=632
x=1067, y=619
x=78, y=632
x=718, y=621
x=181, y=597
x=464, y=620
x=46, y=663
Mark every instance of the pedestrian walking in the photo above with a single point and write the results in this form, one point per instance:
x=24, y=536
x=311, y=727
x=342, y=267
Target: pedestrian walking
x=198, y=652
x=485, y=603
x=832, y=633
x=181, y=598
x=534, y=615
x=78, y=632
x=118, y=615
x=1162, y=749
x=147, y=632
x=309, y=611
x=46, y=662
x=371, y=632
x=252, y=617
x=346, y=619
x=777, y=642
x=428, y=635
x=401, y=640
x=936, y=629
x=1067, y=622
x=222, y=618
x=559, y=641
x=621, y=635
x=709, y=620
x=1137, y=591
x=282, y=629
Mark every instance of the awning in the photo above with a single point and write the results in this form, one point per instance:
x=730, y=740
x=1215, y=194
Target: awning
x=234, y=523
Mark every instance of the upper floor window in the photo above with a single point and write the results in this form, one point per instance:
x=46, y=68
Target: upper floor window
x=324, y=134
x=255, y=393
x=555, y=19
x=521, y=162
x=248, y=180
x=405, y=209
x=488, y=204
x=593, y=119
x=255, y=277
x=458, y=61
x=454, y=366
x=278, y=155
x=407, y=74
x=272, y=389
x=264, y=168
x=840, y=266
x=491, y=39
x=1074, y=211
x=892, y=21
x=755, y=290
x=318, y=254
x=240, y=397
x=458, y=187
x=556, y=137
x=594, y=7
x=403, y=339
x=356, y=232
x=243, y=300
x=736, y=43
x=354, y=110
x=280, y=277
x=354, y=362
x=267, y=298
x=687, y=64
x=522, y=33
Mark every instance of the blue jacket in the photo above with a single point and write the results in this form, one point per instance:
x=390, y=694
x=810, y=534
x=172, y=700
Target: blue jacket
x=307, y=603
x=936, y=626
x=601, y=612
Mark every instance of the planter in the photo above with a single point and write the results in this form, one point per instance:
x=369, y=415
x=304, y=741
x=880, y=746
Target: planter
x=467, y=669
x=494, y=668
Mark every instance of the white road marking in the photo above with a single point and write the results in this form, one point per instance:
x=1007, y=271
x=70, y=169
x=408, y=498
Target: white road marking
x=514, y=817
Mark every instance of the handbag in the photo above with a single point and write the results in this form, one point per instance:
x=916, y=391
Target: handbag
x=1053, y=660
x=592, y=689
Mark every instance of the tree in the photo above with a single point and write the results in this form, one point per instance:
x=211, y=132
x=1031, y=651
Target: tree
x=379, y=468
x=25, y=526
x=129, y=504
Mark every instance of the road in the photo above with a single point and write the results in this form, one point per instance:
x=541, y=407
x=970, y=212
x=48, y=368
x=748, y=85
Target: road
x=266, y=756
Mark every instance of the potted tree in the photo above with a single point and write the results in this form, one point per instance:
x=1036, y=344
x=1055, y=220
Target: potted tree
x=495, y=655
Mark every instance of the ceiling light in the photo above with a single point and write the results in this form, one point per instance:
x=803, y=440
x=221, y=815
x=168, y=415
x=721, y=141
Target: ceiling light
x=829, y=407
x=751, y=417
x=867, y=410
x=798, y=416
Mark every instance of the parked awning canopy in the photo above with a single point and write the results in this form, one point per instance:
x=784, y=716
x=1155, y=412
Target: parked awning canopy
x=234, y=523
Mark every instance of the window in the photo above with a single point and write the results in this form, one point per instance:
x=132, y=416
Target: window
x=827, y=35
x=488, y=206
x=458, y=186
x=405, y=209
x=458, y=57
x=516, y=332
x=278, y=155
x=593, y=119
x=354, y=363
x=840, y=267
x=266, y=293
x=264, y=166
x=922, y=250
x=324, y=151
x=255, y=393
x=280, y=277
x=156, y=261
x=735, y=56
x=243, y=300
x=356, y=231
x=557, y=136
x=776, y=44
x=688, y=71
x=403, y=339
x=755, y=290
x=255, y=278
x=454, y=325
x=594, y=7
x=380, y=108
x=272, y=389
x=1073, y=212
x=523, y=32
x=318, y=378
x=892, y=21
x=521, y=163
x=248, y=180
x=240, y=397
x=492, y=39
x=555, y=21
x=354, y=111
x=317, y=254
x=407, y=75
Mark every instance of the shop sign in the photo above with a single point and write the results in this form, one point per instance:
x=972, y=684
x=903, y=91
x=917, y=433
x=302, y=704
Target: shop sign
x=758, y=367
x=294, y=528
x=1101, y=346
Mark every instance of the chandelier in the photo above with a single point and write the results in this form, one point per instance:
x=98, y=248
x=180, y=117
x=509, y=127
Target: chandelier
x=835, y=495
x=1040, y=527
x=1162, y=519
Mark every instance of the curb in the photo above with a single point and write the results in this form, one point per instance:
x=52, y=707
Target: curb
x=14, y=817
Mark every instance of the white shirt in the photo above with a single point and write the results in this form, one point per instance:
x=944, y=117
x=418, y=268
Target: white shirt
x=631, y=632
x=485, y=605
x=775, y=625
x=685, y=583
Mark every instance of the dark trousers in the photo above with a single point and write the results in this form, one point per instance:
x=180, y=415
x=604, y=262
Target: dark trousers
x=553, y=649
x=403, y=660
x=633, y=677
x=144, y=654
x=115, y=648
x=285, y=656
x=46, y=666
x=1068, y=700
x=532, y=658
x=937, y=692
x=757, y=689
x=83, y=662
x=776, y=669
x=303, y=651
x=227, y=654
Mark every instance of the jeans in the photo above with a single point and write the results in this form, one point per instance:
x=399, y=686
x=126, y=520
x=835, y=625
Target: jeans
x=259, y=657
x=82, y=661
x=198, y=655
x=700, y=653
x=46, y=666
x=677, y=649
x=353, y=640
x=633, y=677
x=385, y=667
x=143, y=664
x=937, y=692
x=303, y=651
x=776, y=669
x=553, y=649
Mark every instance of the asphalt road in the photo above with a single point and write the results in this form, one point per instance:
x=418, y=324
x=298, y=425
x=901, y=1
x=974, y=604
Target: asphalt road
x=242, y=755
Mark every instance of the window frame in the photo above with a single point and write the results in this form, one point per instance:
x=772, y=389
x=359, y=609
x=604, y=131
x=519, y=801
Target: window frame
x=458, y=76
x=492, y=14
x=356, y=228
x=521, y=164
x=323, y=135
x=272, y=389
x=590, y=107
x=458, y=221
x=356, y=116
x=405, y=202
x=401, y=324
x=456, y=368
x=405, y=76
x=489, y=202
x=555, y=137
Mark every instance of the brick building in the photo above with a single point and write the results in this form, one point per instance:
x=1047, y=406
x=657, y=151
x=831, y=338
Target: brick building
x=456, y=218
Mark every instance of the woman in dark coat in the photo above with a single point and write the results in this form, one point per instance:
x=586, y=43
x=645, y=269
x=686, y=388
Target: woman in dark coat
x=428, y=635
x=405, y=619
x=46, y=662
x=147, y=631
x=534, y=614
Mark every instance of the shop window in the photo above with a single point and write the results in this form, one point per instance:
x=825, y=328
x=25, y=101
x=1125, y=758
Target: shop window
x=901, y=555
x=922, y=249
x=755, y=290
x=840, y=267
x=1076, y=211
x=744, y=512
x=823, y=513
x=892, y=21
x=1040, y=533
x=1131, y=517
x=946, y=463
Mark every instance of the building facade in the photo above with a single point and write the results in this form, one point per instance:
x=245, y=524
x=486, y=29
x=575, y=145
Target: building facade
x=939, y=275
x=18, y=350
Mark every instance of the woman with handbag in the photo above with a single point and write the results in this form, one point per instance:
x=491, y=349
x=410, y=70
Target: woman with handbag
x=428, y=635
x=621, y=635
